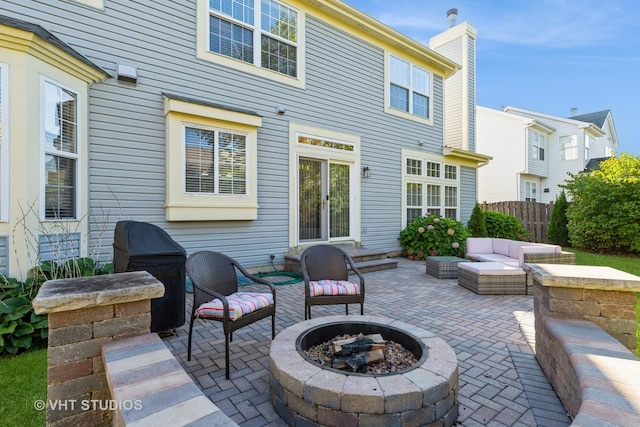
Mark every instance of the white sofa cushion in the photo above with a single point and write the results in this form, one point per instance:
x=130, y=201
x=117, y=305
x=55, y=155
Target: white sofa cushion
x=491, y=258
x=479, y=245
x=514, y=248
x=501, y=246
x=536, y=249
x=491, y=268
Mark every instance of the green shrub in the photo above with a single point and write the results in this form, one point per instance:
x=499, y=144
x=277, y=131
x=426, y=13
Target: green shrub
x=504, y=226
x=558, y=233
x=604, y=214
x=20, y=327
x=434, y=235
x=477, y=225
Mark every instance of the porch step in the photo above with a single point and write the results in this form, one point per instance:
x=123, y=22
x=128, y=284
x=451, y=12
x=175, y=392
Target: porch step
x=366, y=260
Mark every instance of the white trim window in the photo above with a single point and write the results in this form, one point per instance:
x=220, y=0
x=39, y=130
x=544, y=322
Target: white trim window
x=530, y=191
x=587, y=138
x=538, y=144
x=4, y=142
x=215, y=161
x=409, y=88
x=259, y=32
x=568, y=146
x=430, y=187
x=60, y=114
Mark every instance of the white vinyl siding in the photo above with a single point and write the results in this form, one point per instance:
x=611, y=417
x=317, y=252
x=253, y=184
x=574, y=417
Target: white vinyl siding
x=272, y=44
x=58, y=247
x=60, y=114
x=4, y=142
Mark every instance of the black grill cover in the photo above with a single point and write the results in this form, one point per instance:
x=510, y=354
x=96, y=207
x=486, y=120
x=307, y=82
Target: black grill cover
x=143, y=246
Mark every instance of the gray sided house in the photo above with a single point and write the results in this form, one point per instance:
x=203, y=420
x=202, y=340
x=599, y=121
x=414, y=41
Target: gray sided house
x=250, y=128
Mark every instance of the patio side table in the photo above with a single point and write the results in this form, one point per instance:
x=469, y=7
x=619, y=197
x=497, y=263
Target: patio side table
x=444, y=267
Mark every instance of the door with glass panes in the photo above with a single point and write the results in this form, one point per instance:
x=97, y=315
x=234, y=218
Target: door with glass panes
x=323, y=200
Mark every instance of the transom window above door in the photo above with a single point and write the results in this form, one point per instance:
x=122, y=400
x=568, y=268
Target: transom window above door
x=259, y=32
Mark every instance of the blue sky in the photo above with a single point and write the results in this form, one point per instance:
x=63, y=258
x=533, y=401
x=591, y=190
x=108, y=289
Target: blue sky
x=542, y=55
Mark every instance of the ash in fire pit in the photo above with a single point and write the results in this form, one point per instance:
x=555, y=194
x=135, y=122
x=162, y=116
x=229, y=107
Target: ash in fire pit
x=369, y=354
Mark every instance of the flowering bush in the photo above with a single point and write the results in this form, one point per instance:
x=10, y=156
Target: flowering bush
x=434, y=235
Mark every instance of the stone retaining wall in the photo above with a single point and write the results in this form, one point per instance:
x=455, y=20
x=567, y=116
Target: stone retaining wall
x=85, y=313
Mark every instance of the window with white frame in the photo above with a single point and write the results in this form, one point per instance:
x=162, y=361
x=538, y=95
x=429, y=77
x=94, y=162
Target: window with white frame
x=428, y=190
x=568, y=145
x=4, y=142
x=212, y=157
x=409, y=88
x=215, y=161
x=60, y=144
x=586, y=148
x=530, y=190
x=259, y=32
x=538, y=144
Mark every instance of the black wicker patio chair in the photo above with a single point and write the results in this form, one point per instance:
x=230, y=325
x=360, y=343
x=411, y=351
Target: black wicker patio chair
x=216, y=296
x=326, y=278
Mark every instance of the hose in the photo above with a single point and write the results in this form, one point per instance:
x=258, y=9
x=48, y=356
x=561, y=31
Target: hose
x=295, y=278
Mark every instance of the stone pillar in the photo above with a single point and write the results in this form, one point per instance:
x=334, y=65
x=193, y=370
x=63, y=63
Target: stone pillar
x=603, y=295
x=84, y=313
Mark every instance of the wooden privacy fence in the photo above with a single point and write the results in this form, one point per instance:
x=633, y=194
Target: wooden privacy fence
x=534, y=216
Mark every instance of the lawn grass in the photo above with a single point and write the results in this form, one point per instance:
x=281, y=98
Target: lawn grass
x=622, y=263
x=23, y=380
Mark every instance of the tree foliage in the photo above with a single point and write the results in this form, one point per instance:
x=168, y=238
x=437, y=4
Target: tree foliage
x=558, y=233
x=504, y=226
x=604, y=214
x=477, y=225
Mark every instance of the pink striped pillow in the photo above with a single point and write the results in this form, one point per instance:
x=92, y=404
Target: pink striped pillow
x=240, y=303
x=333, y=287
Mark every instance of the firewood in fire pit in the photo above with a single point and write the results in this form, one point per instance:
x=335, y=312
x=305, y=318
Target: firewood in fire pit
x=358, y=360
x=358, y=344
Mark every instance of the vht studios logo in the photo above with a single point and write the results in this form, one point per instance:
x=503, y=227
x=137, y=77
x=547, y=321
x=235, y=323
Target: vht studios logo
x=88, y=405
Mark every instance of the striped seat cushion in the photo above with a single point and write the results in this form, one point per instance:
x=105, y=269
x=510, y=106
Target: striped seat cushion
x=240, y=303
x=333, y=287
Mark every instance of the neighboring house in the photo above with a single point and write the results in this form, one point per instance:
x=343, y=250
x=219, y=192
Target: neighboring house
x=533, y=153
x=249, y=127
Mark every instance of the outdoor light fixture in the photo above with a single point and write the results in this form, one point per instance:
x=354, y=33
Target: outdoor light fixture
x=366, y=172
x=280, y=109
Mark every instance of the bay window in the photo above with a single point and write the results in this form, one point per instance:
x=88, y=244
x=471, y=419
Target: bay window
x=60, y=136
x=430, y=187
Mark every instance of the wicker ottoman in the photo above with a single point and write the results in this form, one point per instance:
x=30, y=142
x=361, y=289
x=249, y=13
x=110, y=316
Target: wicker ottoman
x=492, y=278
x=444, y=267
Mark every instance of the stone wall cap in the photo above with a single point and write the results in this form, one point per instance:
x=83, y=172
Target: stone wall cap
x=584, y=276
x=94, y=291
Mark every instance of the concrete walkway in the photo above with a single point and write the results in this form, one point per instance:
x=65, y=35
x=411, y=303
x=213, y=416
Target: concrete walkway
x=500, y=382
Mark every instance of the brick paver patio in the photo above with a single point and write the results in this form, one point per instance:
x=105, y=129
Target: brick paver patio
x=500, y=382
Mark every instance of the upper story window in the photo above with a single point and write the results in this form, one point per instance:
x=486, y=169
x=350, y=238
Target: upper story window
x=538, y=144
x=409, y=88
x=586, y=148
x=259, y=32
x=568, y=146
x=60, y=137
x=4, y=143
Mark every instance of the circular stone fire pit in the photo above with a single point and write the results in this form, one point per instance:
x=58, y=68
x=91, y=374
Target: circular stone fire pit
x=303, y=391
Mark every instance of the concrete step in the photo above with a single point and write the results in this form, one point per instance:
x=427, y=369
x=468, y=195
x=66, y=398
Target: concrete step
x=366, y=260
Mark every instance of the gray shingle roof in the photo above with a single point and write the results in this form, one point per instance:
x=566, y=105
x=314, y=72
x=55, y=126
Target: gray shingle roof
x=598, y=118
x=48, y=37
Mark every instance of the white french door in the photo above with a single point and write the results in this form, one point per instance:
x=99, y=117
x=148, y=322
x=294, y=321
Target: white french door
x=324, y=200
